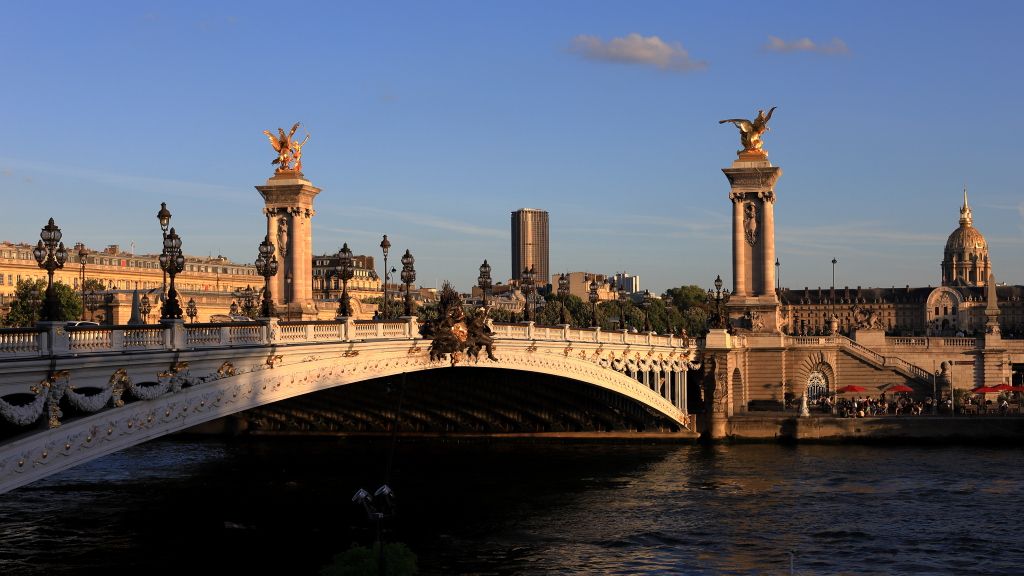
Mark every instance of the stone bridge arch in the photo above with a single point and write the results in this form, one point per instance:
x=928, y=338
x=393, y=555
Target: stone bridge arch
x=232, y=381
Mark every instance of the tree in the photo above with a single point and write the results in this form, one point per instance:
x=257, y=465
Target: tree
x=29, y=296
x=691, y=302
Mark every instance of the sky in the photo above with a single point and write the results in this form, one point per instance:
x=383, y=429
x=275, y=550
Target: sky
x=432, y=121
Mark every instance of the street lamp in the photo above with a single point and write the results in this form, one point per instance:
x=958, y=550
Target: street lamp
x=563, y=293
x=484, y=280
x=172, y=262
x=93, y=300
x=408, y=277
x=247, y=297
x=233, y=309
x=718, y=298
x=51, y=255
x=833, y=297
x=377, y=512
x=190, y=310
x=164, y=217
x=778, y=279
x=527, y=282
x=266, y=266
x=385, y=246
x=145, y=307
x=593, y=301
x=647, y=310
x=83, y=254
x=345, y=271
x=622, y=308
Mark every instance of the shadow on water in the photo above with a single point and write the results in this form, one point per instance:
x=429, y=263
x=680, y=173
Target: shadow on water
x=284, y=506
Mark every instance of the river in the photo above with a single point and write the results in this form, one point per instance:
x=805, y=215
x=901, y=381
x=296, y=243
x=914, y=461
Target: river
x=284, y=506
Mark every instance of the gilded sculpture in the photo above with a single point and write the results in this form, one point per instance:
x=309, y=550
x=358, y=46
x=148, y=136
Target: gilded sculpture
x=289, y=150
x=750, y=131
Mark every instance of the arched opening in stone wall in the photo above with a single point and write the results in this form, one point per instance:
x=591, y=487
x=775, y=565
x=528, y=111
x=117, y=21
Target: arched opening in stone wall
x=739, y=398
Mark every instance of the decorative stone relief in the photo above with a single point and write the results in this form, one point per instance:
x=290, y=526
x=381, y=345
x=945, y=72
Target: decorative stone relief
x=750, y=223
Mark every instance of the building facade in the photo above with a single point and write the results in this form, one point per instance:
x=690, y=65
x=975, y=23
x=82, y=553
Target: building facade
x=530, y=243
x=956, y=307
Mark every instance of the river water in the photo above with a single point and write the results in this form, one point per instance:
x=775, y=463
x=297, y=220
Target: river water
x=284, y=506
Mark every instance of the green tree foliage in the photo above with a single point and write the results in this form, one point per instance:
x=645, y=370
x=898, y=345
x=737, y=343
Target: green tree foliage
x=29, y=298
x=399, y=560
x=691, y=301
x=390, y=309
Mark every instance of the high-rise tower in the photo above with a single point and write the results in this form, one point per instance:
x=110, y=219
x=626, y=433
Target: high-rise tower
x=530, y=242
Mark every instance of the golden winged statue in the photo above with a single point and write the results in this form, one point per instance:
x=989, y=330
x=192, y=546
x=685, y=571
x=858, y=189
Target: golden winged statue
x=750, y=131
x=289, y=150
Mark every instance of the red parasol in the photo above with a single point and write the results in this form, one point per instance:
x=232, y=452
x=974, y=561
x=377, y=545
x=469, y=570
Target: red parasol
x=851, y=388
x=900, y=388
x=983, y=390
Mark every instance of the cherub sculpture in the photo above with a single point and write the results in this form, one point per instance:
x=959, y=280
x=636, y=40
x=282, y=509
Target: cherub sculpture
x=750, y=131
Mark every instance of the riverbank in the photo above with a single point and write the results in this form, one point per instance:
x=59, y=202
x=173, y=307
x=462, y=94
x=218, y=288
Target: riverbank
x=919, y=429
x=755, y=428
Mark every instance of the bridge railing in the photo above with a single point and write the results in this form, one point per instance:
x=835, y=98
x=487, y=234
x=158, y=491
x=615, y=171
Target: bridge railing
x=22, y=341
x=56, y=339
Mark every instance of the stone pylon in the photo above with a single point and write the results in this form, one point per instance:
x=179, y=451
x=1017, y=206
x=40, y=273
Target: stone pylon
x=754, y=302
x=288, y=199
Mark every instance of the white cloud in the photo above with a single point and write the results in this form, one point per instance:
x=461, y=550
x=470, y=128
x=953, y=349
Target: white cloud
x=637, y=49
x=776, y=44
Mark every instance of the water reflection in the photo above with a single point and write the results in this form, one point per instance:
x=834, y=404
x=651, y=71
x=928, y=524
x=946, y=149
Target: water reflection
x=284, y=506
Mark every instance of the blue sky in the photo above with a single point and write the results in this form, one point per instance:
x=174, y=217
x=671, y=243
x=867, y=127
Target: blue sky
x=432, y=121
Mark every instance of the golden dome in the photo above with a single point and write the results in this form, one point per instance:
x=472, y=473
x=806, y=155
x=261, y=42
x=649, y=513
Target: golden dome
x=966, y=238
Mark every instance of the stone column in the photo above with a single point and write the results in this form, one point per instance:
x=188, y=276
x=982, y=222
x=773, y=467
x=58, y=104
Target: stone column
x=739, y=253
x=754, y=303
x=288, y=199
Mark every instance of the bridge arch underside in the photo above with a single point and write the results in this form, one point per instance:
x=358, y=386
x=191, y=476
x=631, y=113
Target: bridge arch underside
x=481, y=400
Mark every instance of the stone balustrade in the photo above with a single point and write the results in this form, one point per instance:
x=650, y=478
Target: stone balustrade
x=55, y=339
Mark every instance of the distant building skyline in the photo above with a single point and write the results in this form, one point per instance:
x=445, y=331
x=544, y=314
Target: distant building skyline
x=530, y=243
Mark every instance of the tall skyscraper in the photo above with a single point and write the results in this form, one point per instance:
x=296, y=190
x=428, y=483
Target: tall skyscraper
x=530, y=243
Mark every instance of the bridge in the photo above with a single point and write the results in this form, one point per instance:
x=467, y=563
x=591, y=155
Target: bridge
x=69, y=395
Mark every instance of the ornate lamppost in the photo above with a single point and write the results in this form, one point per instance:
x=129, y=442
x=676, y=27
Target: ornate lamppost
x=385, y=246
x=190, y=310
x=647, y=310
x=145, y=307
x=233, y=309
x=51, y=255
x=778, y=278
x=718, y=298
x=172, y=262
x=563, y=292
x=266, y=266
x=247, y=297
x=833, y=320
x=593, y=302
x=408, y=277
x=622, y=308
x=93, y=300
x=164, y=217
x=527, y=281
x=82, y=256
x=484, y=280
x=345, y=270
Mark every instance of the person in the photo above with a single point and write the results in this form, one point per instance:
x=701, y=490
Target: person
x=1004, y=406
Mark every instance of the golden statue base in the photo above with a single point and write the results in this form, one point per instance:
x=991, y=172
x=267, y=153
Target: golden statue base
x=751, y=155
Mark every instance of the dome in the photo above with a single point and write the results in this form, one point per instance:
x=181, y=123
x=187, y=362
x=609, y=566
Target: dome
x=966, y=239
x=965, y=261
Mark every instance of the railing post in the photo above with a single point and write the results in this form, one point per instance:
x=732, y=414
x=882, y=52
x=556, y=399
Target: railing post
x=57, y=338
x=175, y=330
x=117, y=339
x=271, y=330
x=623, y=333
x=565, y=331
x=412, y=327
x=529, y=330
x=597, y=333
x=310, y=335
x=349, y=328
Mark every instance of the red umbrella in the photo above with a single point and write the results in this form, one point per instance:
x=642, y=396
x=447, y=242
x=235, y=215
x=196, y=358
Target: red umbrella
x=1002, y=388
x=983, y=390
x=900, y=388
x=851, y=388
